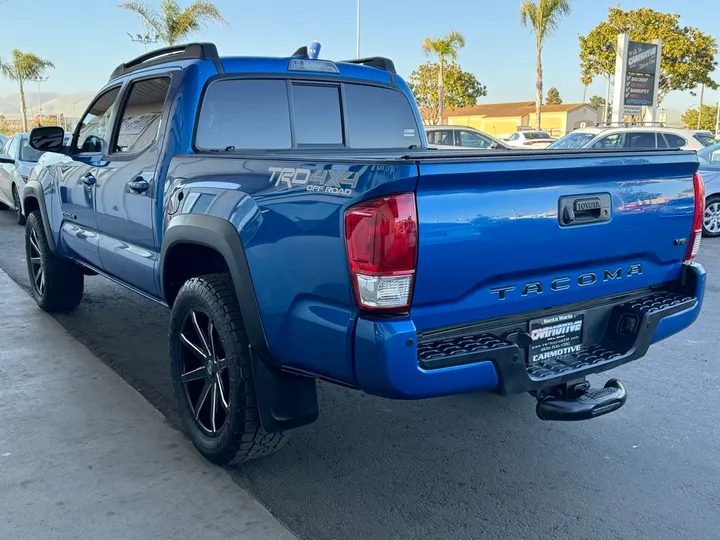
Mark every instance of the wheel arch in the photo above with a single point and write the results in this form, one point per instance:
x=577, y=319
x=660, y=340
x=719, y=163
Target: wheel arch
x=285, y=400
x=33, y=199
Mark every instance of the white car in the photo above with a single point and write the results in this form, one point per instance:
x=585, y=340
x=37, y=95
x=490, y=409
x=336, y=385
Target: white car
x=17, y=160
x=637, y=137
x=530, y=139
x=454, y=137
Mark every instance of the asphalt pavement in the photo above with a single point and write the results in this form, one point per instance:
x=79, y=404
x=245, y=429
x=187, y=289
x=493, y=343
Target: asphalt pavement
x=466, y=467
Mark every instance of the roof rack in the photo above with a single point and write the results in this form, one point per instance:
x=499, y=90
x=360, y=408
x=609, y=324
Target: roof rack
x=629, y=124
x=189, y=51
x=374, y=61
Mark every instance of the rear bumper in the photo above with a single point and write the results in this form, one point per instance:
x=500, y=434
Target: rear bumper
x=392, y=360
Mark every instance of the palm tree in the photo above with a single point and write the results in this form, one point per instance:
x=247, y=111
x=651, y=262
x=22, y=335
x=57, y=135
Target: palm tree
x=444, y=47
x=544, y=18
x=22, y=68
x=171, y=23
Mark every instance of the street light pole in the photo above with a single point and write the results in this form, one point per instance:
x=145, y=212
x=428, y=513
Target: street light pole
x=357, y=48
x=38, y=81
x=717, y=118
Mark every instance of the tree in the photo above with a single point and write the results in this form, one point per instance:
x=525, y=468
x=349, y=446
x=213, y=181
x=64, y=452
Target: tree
x=171, y=23
x=707, y=121
x=22, y=68
x=553, y=97
x=688, y=55
x=597, y=102
x=444, y=47
x=461, y=89
x=543, y=18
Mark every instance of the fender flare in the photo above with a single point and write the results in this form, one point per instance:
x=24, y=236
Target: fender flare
x=285, y=400
x=34, y=189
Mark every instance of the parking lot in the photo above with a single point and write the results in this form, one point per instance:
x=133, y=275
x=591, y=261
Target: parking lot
x=471, y=466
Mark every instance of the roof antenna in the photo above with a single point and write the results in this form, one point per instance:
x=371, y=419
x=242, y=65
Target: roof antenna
x=302, y=52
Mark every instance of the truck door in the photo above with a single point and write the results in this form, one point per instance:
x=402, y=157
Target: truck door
x=79, y=232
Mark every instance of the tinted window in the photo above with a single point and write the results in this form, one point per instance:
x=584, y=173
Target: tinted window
x=380, y=118
x=317, y=114
x=441, y=136
x=28, y=153
x=245, y=114
x=474, y=140
x=142, y=114
x=95, y=126
x=531, y=135
x=642, y=140
x=675, y=141
x=661, y=142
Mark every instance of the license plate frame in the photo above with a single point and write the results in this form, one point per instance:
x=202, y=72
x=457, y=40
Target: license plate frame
x=556, y=336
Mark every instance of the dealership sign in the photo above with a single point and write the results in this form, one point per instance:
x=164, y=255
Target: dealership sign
x=636, y=77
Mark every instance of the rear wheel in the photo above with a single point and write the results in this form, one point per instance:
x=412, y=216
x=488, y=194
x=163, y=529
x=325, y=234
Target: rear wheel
x=212, y=374
x=19, y=217
x=57, y=284
x=711, y=219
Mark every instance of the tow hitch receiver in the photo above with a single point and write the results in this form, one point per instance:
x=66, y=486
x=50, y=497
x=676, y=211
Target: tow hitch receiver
x=576, y=401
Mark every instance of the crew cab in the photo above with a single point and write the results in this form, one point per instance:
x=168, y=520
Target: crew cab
x=290, y=215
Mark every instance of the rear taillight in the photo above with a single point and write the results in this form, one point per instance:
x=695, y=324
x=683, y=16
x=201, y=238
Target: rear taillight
x=382, y=236
x=696, y=234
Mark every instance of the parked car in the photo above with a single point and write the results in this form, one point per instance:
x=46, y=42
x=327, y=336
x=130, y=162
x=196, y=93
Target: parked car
x=637, y=137
x=532, y=139
x=454, y=137
x=17, y=159
x=289, y=213
x=710, y=170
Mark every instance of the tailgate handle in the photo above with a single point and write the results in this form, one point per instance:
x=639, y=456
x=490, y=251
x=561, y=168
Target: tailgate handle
x=583, y=209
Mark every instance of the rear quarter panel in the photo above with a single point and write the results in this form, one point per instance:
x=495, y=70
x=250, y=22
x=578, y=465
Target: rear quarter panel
x=294, y=242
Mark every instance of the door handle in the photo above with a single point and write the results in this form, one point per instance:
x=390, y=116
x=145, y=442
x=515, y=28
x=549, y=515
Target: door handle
x=139, y=185
x=89, y=180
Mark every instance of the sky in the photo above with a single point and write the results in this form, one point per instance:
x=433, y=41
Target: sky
x=88, y=42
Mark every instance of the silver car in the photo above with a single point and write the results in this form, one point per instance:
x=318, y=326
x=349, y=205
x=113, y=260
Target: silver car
x=710, y=170
x=17, y=159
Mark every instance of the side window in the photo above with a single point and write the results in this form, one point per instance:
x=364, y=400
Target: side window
x=675, y=141
x=661, y=142
x=13, y=147
x=249, y=114
x=444, y=137
x=474, y=140
x=616, y=140
x=317, y=114
x=642, y=140
x=94, y=130
x=4, y=149
x=141, y=115
x=514, y=137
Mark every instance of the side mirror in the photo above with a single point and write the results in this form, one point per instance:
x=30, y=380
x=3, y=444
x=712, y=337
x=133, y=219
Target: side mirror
x=47, y=139
x=6, y=158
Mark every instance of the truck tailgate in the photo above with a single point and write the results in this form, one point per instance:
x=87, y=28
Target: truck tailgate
x=508, y=235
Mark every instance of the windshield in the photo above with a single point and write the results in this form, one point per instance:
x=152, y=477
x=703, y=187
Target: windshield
x=537, y=135
x=705, y=139
x=710, y=156
x=572, y=140
x=27, y=152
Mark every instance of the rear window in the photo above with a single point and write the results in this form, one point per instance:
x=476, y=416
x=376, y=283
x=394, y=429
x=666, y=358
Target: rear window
x=705, y=139
x=255, y=114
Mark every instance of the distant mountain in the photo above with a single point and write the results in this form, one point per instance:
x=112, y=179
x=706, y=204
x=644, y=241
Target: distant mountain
x=51, y=103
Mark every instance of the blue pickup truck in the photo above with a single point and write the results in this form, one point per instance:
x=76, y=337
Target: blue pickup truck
x=290, y=214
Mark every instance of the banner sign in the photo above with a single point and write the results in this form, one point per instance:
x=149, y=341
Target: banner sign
x=640, y=77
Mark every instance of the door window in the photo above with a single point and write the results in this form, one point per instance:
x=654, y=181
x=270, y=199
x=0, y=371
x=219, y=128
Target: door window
x=94, y=130
x=474, y=140
x=642, y=140
x=614, y=141
x=141, y=116
x=441, y=136
x=13, y=147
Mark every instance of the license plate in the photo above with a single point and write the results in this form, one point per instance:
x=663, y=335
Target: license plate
x=555, y=336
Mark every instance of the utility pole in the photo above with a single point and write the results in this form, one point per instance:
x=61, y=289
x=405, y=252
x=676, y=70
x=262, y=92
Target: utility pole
x=702, y=94
x=717, y=118
x=357, y=48
x=38, y=81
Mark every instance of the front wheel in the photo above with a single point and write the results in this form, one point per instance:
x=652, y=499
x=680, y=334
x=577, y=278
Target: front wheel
x=212, y=374
x=711, y=219
x=57, y=284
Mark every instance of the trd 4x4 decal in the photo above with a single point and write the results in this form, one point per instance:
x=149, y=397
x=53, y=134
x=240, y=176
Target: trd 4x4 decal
x=323, y=180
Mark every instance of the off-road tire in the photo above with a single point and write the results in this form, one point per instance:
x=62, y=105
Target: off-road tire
x=63, y=280
x=19, y=217
x=241, y=437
